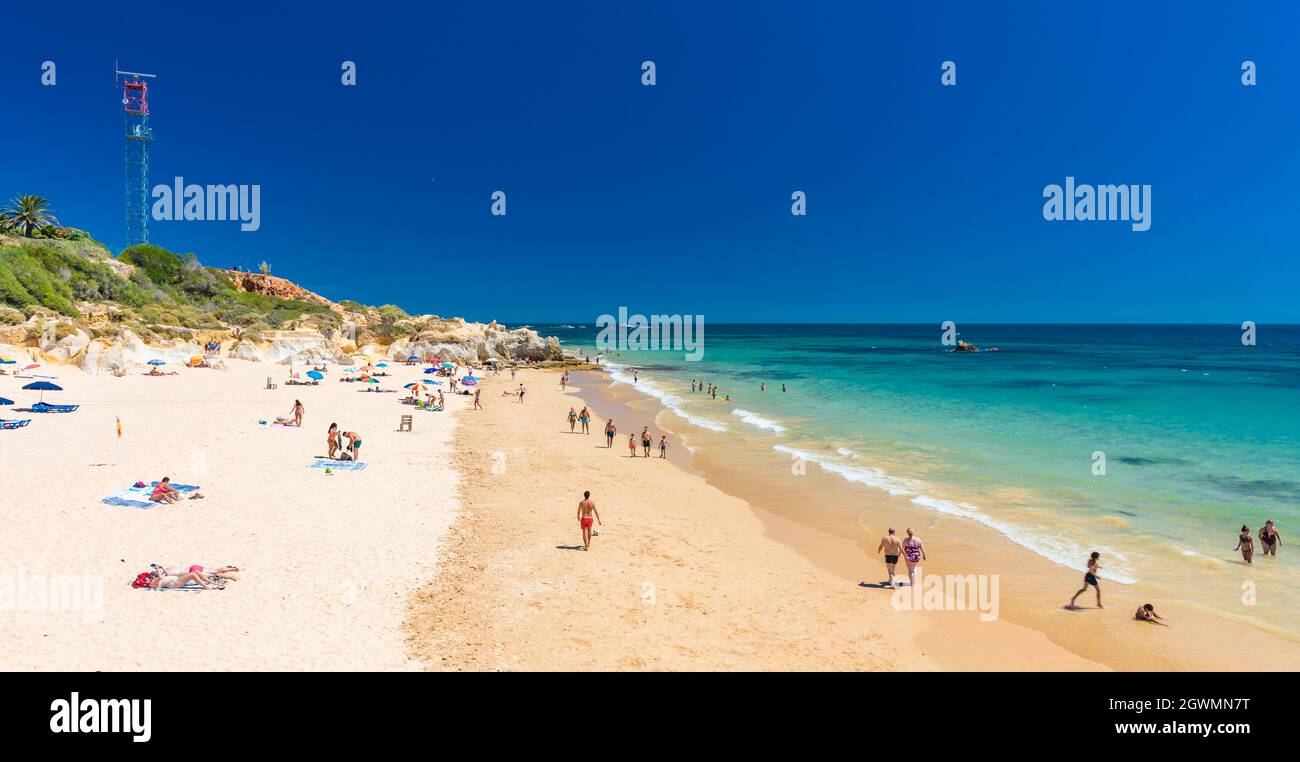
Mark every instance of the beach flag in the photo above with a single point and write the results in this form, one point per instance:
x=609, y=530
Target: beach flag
x=119, y=426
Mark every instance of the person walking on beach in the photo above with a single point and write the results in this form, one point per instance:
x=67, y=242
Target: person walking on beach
x=586, y=512
x=631, y=445
x=892, y=548
x=332, y=440
x=1090, y=578
x=663, y=447
x=522, y=392
x=646, y=441
x=512, y=373
x=477, y=405
x=564, y=380
x=913, y=554
x=1246, y=544
x=442, y=401
x=610, y=431
x=296, y=413
x=585, y=418
x=1270, y=538
x=573, y=420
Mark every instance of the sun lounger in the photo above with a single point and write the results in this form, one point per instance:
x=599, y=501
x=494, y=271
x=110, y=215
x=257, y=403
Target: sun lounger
x=14, y=424
x=138, y=497
x=45, y=407
x=338, y=465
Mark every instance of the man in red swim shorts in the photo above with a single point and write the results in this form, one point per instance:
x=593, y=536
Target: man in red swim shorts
x=586, y=510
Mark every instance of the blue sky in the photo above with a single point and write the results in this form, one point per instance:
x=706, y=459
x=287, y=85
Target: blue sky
x=924, y=202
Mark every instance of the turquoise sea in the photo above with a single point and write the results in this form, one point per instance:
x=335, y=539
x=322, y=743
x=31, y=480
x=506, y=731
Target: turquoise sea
x=1199, y=433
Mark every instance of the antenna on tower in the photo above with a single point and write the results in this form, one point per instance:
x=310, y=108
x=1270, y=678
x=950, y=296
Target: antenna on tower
x=138, y=134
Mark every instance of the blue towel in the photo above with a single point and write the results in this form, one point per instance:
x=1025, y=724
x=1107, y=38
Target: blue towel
x=338, y=465
x=4, y=424
x=138, y=497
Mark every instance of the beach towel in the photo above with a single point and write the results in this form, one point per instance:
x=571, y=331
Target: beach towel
x=138, y=497
x=14, y=424
x=45, y=407
x=338, y=465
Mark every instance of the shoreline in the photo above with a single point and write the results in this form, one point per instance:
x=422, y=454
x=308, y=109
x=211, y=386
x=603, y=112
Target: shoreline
x=685, y=577
x=1034, y=588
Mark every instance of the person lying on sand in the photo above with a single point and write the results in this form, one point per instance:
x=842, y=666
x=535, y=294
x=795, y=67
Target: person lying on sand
x=221, y=572
x=180, y=580
x=1147, y=613
x=155, y=372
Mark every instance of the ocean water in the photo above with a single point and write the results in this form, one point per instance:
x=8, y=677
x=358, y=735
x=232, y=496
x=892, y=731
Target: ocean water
x=1199, y=433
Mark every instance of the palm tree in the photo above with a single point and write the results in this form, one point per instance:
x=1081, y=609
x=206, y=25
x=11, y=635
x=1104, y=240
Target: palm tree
x=30, y=213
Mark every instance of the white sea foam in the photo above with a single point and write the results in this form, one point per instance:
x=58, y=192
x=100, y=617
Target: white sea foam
x=1052, y=547
x=754, y=419
x=622, y=374
x=872, y=477
x=846, y=452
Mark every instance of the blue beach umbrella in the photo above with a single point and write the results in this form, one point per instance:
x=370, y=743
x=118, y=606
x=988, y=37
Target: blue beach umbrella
x=430, y=370
x=315, y=374
x=471, y=379
x=4, y=401
x=446, y=365
x=7, y=361
x=43, y=387
x=349, y=370
x=381, y=365
x=157, y=362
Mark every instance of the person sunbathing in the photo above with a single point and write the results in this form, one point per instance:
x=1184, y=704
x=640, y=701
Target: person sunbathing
x=221, y=572
x=166, y=493
x=174, y=580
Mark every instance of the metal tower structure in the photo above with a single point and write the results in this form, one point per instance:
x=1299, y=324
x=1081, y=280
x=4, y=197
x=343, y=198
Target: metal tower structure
x=135, y=102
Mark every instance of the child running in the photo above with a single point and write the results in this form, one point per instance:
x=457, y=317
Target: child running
x=1090, y=578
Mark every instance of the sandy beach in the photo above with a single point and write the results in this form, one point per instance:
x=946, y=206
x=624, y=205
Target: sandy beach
x=329, y=561
x=690, y=575
x=682, y=577
x=458, y=547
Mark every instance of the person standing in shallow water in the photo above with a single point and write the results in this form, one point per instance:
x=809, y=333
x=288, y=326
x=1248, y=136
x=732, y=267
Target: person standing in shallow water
x=1246, y=544
x=1090, y=578
x=1270, y=538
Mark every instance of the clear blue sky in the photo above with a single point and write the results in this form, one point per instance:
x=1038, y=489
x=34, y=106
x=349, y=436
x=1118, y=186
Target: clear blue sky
x=924, y=202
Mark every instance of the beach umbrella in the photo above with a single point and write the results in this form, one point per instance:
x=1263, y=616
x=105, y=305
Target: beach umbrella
x=157, y=362
x=430, y=370
x=471, y=379
x=371, y=380
x=415, y=387
x=315, y=374
x=382, y=365
x=4, y=401
x=33, y=366
x=367, y=368
x=412, y=358
x=349, y=370
x=43, y=387
x=7, y=361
